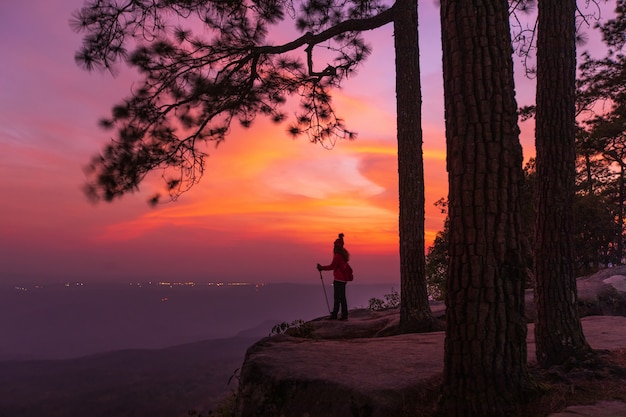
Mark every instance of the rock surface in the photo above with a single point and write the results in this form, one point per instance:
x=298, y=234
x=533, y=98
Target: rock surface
x=600, y=294
x=355, y=368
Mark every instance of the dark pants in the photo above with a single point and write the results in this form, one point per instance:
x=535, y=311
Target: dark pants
x=340, y=299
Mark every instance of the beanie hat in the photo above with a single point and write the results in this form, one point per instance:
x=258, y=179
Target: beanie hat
x=339, y=240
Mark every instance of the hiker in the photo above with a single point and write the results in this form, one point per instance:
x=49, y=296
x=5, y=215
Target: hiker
x=340, y=258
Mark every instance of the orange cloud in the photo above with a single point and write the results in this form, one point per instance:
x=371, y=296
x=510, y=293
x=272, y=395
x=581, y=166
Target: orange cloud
x=261, y=184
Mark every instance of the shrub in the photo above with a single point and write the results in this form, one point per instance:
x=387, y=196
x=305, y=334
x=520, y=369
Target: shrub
x=297, y=328
x=392, y=300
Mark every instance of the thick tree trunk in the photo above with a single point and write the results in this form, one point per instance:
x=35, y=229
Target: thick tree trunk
x=485, y=359
x=558, y=330
x=415, y=313
x=620, y=217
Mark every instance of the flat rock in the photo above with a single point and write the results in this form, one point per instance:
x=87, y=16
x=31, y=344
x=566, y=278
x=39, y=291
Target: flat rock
x=360, y=367
x=376, y=377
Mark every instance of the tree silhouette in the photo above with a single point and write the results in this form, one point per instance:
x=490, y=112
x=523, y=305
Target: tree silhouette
x=415, y=313
x=602, y=92
x=195, y=87
x=558, y=331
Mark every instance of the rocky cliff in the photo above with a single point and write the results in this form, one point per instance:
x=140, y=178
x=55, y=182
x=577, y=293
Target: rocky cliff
x=360, y=368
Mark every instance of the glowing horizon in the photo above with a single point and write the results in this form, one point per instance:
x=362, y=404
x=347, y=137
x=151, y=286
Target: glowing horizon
x=268, y=207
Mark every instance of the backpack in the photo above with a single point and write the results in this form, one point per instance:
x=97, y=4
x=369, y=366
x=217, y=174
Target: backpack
x=347, y=272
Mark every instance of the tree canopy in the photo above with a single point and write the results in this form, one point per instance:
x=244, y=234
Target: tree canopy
x=194, y=87
x=196, y=82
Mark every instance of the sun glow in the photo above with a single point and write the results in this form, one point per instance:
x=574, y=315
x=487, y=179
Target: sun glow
x=269, y=186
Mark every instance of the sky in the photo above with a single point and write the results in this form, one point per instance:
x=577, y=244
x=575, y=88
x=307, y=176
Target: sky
x=268, y=207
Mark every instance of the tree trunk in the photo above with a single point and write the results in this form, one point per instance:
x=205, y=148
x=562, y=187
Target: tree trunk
x=558, y=331
x=485, y=359
x=415, y=313
x=620, y=216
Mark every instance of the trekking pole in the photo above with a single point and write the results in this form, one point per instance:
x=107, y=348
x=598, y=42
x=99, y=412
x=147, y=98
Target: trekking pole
x=325, y=296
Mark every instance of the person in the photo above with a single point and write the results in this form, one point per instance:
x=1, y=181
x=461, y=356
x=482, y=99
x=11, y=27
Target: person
x=340, y=258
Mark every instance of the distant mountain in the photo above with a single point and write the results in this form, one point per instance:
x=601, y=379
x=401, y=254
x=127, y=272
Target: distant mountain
x=130, y=383
x=68, y=322
x=262, y=330
x=49, y=338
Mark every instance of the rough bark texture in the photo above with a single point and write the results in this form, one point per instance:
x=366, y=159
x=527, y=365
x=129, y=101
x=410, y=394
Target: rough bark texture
x=485, y=369
x=415, y=314
x=558, y=330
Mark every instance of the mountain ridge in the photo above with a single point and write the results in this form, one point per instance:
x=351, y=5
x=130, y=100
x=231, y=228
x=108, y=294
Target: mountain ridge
x=165, y=382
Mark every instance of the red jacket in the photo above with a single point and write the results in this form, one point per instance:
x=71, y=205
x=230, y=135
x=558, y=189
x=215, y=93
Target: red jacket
x=336, y=266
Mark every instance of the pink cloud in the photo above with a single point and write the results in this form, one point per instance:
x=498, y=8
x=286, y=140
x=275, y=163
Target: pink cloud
x=268, y=207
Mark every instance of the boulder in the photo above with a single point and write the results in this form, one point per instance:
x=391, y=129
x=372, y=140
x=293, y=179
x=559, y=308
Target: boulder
x=603, y=294
x=600, y=294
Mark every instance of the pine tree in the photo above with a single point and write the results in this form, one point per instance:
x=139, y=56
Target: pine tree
x=194, y=87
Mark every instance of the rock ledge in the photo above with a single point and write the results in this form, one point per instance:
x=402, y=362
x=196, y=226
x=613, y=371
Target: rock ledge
x=353, y=368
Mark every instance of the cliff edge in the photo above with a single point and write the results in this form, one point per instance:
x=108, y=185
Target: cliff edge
x=356, y=368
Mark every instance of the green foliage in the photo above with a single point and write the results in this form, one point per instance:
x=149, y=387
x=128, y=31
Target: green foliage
x=595, y=230
x=376, y=304
x=392, y=300
x=297, y=328
x=196, y=81
x=437, y=259
x=601, y=148
x=437, y=265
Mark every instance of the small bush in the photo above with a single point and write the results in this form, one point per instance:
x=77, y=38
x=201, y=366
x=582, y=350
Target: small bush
x=376, y=304
x=297, y=328
x=392, y=300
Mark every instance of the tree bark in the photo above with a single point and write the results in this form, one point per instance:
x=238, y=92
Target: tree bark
x=485, y=358
x=620, y=215
x=415, y=313
x=558, y=331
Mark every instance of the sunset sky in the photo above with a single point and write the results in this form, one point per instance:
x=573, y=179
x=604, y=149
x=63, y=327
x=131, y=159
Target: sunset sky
x=268, y=207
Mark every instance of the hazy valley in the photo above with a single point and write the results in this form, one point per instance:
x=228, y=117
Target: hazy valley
x=128, y=350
